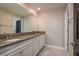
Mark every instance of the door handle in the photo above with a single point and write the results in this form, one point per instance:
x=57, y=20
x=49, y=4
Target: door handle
x=73, y=43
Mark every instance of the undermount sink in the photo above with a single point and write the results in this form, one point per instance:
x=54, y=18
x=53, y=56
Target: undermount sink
x=11, y=40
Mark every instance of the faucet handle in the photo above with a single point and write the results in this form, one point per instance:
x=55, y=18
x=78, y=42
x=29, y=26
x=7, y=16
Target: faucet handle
x=8, y=36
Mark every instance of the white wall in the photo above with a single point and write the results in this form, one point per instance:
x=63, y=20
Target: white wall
x=53, y=23
x=50, y=21
x=30, y=23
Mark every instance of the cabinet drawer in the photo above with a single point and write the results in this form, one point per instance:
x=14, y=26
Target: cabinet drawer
x=22, y=51
x=8, y=49
x=15, y=53
x=26, y=50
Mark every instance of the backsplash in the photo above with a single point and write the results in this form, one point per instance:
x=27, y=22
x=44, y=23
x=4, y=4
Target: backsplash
x=3, y=36
x=8, y=36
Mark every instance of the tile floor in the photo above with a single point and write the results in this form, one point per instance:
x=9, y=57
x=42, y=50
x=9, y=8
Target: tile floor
x=48, y=51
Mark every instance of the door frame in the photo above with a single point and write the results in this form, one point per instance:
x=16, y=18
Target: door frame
x=14, y=24
x=66, y=30
x=17, y=27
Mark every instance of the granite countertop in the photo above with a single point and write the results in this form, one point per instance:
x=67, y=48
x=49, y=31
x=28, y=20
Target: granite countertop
x=6, y=42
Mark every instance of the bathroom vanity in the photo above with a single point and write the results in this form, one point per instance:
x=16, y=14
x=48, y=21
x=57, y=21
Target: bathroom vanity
x=26, y=45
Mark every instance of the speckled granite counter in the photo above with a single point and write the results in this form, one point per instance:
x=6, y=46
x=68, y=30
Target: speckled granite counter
x=6, y=42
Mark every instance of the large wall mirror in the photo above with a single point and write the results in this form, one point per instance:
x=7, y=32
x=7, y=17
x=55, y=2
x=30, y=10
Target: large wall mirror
x=15, y=18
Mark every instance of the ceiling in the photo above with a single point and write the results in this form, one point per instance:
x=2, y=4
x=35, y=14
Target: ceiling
x=14, y=8
x=47, y=6
x=23, y=8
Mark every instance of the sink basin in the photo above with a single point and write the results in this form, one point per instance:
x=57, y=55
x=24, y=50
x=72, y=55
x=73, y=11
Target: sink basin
x=11, y=40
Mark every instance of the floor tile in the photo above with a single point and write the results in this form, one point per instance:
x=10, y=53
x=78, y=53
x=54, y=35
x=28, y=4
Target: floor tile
x=47, y=51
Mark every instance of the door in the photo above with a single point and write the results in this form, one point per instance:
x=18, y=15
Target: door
x=76, y=30
x=18, y=26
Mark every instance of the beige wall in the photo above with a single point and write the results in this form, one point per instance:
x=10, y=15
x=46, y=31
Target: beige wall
x=50, y=21
x=6, y=21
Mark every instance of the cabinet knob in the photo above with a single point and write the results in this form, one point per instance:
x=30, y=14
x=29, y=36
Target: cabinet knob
x=21, y=52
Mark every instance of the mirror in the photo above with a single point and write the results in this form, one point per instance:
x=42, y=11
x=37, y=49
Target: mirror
x=16, y=19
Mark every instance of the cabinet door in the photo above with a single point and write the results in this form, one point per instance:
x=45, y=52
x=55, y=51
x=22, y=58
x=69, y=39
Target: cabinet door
x=43, y=37
x=26, y=50
x=35, y=46
x=42, y=40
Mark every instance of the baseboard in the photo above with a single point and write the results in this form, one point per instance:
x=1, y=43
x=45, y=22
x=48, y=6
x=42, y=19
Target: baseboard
x=52, y=46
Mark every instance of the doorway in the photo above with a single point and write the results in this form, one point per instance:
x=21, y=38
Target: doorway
x=18, y=26
x=76, y=30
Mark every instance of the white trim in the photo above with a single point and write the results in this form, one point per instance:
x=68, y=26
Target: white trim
x=66, y=30
x=52, y=46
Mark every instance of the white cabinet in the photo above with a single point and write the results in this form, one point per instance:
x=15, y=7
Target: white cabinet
x=38, y=43
x=35, y=46
x=25, y=48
